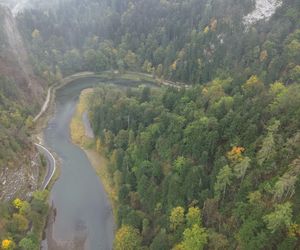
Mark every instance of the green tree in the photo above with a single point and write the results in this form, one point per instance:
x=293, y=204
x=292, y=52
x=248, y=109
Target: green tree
x=217, y=241
x=25, y=208
x=268, y=150
x=195, y=237
x=127, y=238
x=20, y=222
x=131, y=60
x=224, y=179
x=253, y=86
x=285, y=187
x=280, y=218
x=251, y=235
x=159, y=70
x=193, y=216
x=28, y=244
x=241, y=167
x=160, y=242
x=293, y=49
x=295, y=74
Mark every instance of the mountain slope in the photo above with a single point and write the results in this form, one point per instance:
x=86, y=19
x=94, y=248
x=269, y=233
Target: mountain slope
x=19, y=59
x=20, y=95
x=227, y=146
x=190, y=41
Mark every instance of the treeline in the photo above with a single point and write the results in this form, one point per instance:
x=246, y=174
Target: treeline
x=213, y=166
x=190, y=41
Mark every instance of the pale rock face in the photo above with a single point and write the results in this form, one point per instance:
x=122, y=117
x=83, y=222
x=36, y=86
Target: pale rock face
x=20, y=182
x=17, y=6
x=264, y=9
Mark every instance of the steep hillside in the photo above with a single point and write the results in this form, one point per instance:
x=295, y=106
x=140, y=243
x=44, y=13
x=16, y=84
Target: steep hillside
x=190, y=41
x=228, y=146
x=15, y=59
x=263, y=10
x=20, y=96
x=209, y=167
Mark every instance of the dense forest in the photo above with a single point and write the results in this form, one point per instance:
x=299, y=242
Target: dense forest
x=211, y=166
x=214, y=165
x=191, y=41
x=14, y=124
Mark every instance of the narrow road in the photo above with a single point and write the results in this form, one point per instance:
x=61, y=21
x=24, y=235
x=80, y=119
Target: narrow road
x=51, y=164
x=84, y=74
x=58, y=85
x=45, y=105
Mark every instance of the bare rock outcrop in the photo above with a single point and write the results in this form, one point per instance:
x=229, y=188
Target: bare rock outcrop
x=264, y=9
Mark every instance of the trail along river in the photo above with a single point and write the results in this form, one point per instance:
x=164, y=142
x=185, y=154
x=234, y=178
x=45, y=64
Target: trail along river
x=83, y=215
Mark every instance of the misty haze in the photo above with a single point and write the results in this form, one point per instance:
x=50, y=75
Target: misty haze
x=149, y=124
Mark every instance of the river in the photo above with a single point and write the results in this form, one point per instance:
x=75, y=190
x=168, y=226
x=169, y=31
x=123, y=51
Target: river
x=83, y=212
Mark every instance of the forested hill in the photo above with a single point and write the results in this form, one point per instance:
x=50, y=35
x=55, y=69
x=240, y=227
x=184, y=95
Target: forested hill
x=209, y=167
x=212, y=166
x=20, y=95
x=184, y=40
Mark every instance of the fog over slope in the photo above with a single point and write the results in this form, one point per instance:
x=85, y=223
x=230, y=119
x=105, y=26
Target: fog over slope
x=17, y=6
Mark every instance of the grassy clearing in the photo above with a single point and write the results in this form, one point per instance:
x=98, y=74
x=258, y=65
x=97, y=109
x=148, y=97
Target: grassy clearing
x=98, y=160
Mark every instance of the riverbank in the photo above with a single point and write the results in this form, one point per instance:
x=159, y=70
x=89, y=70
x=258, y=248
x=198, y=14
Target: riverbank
x=42, y=119
x=47, y=110
x=88, y=145
x=98, y=161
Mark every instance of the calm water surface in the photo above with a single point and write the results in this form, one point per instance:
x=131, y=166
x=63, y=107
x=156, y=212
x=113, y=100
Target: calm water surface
x=83, y=211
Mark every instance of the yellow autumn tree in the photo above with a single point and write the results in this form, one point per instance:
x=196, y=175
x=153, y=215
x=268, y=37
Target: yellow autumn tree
x=276, y=89
x=235, y=154
x=193, y=216
x=294, y=230
x=127, y=238
x=176, y=217
x=174, y=65
x=206, y=30
x=8, y=244
x=253, y=86
x=17, y=203
x=194, y=238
